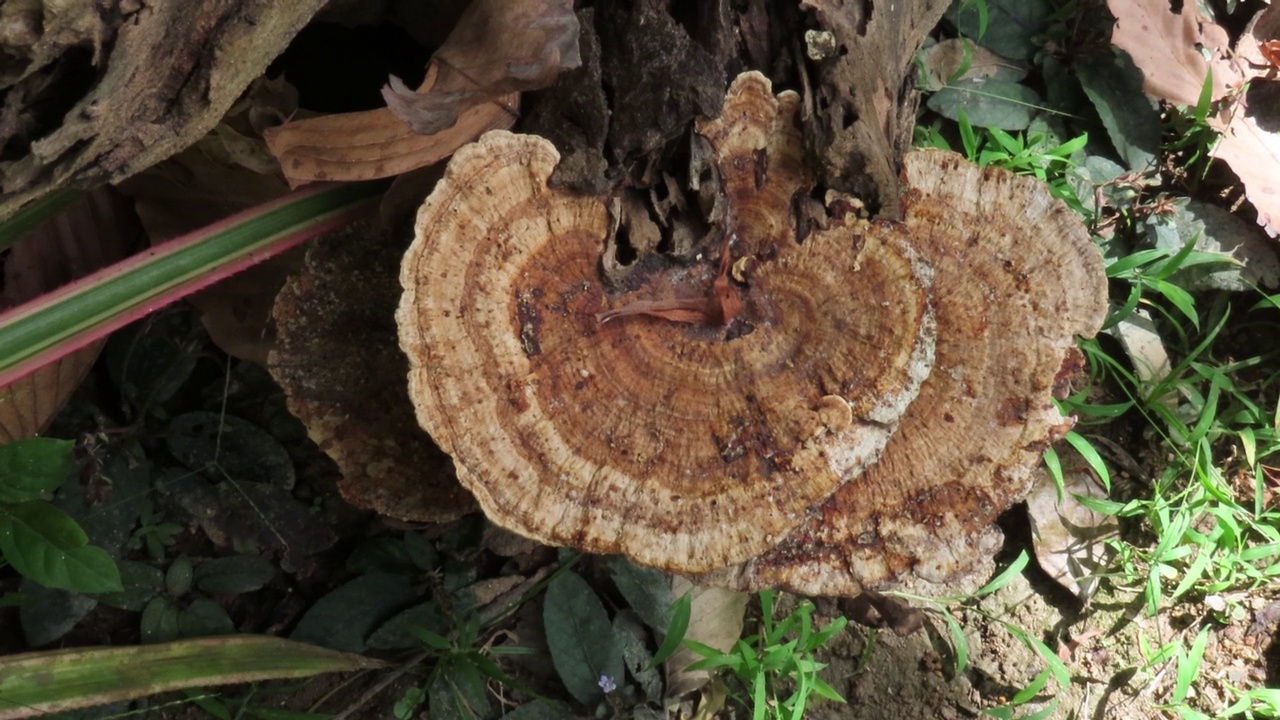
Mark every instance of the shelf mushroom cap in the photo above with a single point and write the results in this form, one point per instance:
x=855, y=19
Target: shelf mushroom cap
x=1016, y=279
x=687, y=446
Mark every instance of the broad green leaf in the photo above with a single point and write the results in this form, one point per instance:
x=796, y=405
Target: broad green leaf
x=399, y=632
x=177, y=579
x=345, y=617
x=35, y=684
x=1132, y=120
x=457, y=692
x=987, y=103
x=159, y=621
x=633, y=642
x=149, y=361
x=233, y=575
x=49, y=614
x=241, y=450
x=386, y=554
x=580, y=638
x=646, y=590
x=421, y=551
x=140, y=582
x=202, y=618
x=1006, y=27
x=42, y=543
x=33, y=467
x=1229, y=253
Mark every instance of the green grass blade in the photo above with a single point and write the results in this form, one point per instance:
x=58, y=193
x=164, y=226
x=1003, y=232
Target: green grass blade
x=33, y=684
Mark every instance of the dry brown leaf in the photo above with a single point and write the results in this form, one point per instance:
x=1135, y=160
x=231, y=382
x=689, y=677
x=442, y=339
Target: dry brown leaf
x=498, y=47
x=1165, y=45
x=90, y=234
x=960, y=59
x=1254, y=155
x=715, y=619
x=1249, y=143
x=375, y=143
x=1069, y=538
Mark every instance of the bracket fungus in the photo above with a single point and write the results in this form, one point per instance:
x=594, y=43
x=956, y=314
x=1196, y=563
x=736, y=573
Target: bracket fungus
x=685, y=445
x=699, y=409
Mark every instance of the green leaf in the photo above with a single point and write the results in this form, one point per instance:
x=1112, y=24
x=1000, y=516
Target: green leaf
x=159, y=621
x=1189, y=666
x=36, y=213
x=987, y=103
x=49, y=614
x=1090, y=456
x=1114, y=86
x=681, y=611
x=33, y=467
x=647, y=591
x=177, y=579
x=345, y=617
x=34, y=684
x=633, y=642
x=399, y=632
x=263, y=713
x=1005, y=576
x=42, y=543
x=150, y=361
x=580, y=638
x=423, y=554
x=457, y=692
x=140, y=583
x=202, y=618
x=209, y=704
x=1006, y=27
x=233, y=575
x=240, y=449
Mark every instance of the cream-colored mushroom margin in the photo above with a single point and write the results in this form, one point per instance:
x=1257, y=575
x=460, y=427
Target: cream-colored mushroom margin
x=1016, y=278
x=683, y=446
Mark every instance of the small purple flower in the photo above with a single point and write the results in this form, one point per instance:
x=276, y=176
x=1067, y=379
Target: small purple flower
x=606, y=684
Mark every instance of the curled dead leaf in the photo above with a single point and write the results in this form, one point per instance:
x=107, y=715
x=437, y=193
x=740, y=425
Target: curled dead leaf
x=498, y=48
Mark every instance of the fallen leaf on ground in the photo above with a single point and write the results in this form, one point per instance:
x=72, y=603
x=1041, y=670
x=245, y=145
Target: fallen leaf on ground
x=497, y=48
x=715, y=619
x=1137, y=334
x=959, y=59
x=1068, y=537
x=1167, y=46
x=375, y=143
x=472, y=86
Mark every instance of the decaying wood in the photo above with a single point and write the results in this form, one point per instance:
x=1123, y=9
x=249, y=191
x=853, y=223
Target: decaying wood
x=166, y=72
